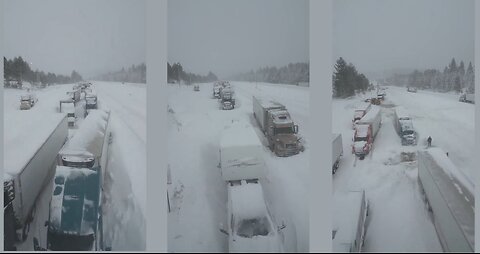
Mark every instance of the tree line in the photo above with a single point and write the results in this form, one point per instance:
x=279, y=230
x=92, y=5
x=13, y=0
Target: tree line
x=133, y=74
x=19, y=70
x=347, y=81
x=293, y=73
x=453, y=78
x=175, y=73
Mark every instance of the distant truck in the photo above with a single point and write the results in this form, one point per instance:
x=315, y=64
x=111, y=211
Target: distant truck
x=227, y=101
x=91, y=101
x=27, y=101
x=467, y=97
x=75, y=221
x=278, y=127
x=381, y=93
x=350, y=221
x=27, y=172
x=216, y=89
x=411, y=89
x=359, y=112
x=404, y=126
x=449, y=197
x=366, y=130
x=250, y=225
x=337, y=151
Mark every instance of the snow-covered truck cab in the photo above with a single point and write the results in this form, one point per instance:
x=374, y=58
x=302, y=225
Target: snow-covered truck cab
x=365, y=131
x=404, y=126
x=284, y=130
x=250, y=224
x=75, y=221
x=91, y=101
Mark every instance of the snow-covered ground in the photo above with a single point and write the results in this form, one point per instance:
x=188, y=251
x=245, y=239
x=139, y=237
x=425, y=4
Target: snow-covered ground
x=198, y=195
x=398, y=220
x=125, y=203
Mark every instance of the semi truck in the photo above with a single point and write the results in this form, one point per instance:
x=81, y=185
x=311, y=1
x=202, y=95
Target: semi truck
x=404, y=126
x=75, y=221
x=29, y=166
x=227, y=101
x=337, y=151
x=278, y=127
x=449, y=198
x=350, y=221
x=216, y=89
x=27, y=101
x=359, y=112
x=250, y=225
x=366, y=130
x=91, y=101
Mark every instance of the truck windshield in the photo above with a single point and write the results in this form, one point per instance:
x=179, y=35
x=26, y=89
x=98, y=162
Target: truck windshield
x=253, y=227
x=408, y=132
x=285, y=130
x=360, y=139
x=67, y=242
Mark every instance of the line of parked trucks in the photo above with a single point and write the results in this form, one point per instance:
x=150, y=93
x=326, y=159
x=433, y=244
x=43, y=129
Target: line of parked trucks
x=76, y=167
x=447, y=193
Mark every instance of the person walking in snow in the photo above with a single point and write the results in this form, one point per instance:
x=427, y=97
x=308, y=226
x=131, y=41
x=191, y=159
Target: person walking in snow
x=429, y=141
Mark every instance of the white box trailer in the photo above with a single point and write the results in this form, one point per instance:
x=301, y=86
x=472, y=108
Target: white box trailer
x=372, y=118
x=337, y=151
x=29, y=164
x=241, y=153
x=349, y=222
x=450, y=200
x=261, y=106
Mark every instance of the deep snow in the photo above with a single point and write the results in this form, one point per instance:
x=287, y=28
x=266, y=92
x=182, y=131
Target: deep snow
x=398, y=220
x=125, y=191
x=198, y=194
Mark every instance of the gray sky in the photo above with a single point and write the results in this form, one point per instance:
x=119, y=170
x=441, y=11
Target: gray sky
x=229, y=36
x=378, y=35
x=89, y=36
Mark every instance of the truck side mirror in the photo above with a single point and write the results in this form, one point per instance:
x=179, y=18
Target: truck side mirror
x=46, y=223
x=295, y=128
x=282, y=226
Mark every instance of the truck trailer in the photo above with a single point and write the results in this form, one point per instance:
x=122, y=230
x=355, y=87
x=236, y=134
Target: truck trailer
x=75, y=221
x=360, y=111
x=366, y=130
x=449, y=198
x=29, y=166
x=404, y=126
x=251, y=227
x=350, y=221
x=337, y=151
x=278, y=127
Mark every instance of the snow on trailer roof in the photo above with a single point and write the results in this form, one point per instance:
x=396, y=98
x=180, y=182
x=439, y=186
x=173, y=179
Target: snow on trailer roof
x=402, y=112
x=239, y=134
x=456, y=189
x=362, y=106
x=24, y=132
x=346, y=208
x=247, y=200
x=362, y=130
x=90, y=136
x=372, y=113
x=268, y=102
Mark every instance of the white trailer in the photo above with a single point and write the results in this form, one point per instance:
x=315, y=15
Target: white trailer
x=350, y=221
x=337, y=151
x=449, y=198
x=29, y=165
x=241, y=153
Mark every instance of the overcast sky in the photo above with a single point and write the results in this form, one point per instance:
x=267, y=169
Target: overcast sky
x=89, y=36
x=378, y=35
x=229, y=36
